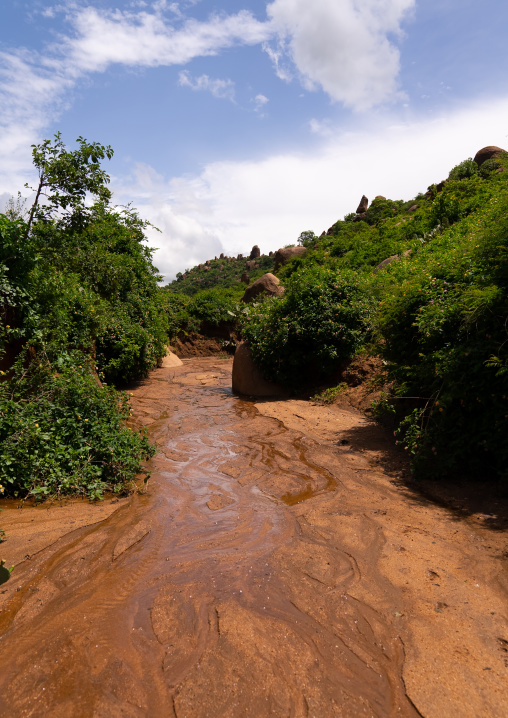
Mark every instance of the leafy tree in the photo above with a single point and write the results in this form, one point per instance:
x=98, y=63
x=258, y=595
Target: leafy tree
x=306, y=238
x=80, y=301
x=66, y=176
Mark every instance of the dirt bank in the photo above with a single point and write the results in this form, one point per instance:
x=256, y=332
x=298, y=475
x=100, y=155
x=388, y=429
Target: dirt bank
x=276, y=566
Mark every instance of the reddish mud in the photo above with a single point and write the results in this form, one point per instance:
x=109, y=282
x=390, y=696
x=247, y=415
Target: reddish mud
x=270, y=570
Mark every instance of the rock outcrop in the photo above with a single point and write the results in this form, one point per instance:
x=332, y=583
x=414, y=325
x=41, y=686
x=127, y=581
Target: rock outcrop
x=282, y=256
x=389, y=260
x=267, y=284
x=488, y=153
x=255, y=252
x=247, y=378
x=245, y=278
x=363, y=206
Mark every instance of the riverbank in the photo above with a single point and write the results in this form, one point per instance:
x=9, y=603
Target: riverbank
x=278, y=564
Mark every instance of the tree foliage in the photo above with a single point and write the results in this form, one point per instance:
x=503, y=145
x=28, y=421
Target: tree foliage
x=80, y=302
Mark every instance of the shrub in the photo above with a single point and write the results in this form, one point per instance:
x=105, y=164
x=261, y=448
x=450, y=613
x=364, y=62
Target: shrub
x=214, y=306
x=321, y=320
x=61, y=433
x=443, y=325
x=464, y=170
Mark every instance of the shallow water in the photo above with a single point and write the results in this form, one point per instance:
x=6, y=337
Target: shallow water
x=237, y=585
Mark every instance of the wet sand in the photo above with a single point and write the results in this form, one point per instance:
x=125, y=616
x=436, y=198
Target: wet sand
x=271, y=569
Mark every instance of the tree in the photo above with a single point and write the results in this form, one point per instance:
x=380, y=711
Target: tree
x=306, y=238
x=65, y=178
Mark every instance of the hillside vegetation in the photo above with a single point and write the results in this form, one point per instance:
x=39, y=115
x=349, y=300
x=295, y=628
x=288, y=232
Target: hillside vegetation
x=422, y=284
x=436, y=313
x=81, y=313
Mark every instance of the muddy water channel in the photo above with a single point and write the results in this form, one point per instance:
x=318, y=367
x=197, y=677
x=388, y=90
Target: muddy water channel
x=263, y=573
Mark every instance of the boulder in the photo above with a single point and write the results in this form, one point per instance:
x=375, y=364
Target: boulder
x=389, y=260
x=170, y=360
x=363, y=206
x=487, y=153
x=255, y=252
x=221, y=255
x=282, y=256
x=247, y=378
x=267, y=284
x=240, y=256
x=385, y=263
x=245, y=278
x=413, y=208
x=270, y=254
x=379, y=196
x=251, y=264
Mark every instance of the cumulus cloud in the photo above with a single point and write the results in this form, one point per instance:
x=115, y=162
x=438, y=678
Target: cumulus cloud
x=224, y=89
x=231, y=206
x=147, y=39
x=34, y=85
x=31, y=95
x=342, y=46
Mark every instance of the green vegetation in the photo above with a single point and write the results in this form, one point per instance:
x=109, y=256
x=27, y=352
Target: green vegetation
x=79, y=303
x=224, y=273
x=322, y=319
x=436, y=314
x=82, y=314
x=328, y=396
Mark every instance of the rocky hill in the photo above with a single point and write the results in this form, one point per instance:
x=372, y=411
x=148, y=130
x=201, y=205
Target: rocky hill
x=223, y=271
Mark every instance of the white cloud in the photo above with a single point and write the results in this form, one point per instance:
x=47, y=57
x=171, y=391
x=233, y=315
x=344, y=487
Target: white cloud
x=231, y=206
x=260, y=101
x=31, y=95
x=33, y=86
x=146, y=39
x=224, y=89
x=337, y=44
x=341, y=46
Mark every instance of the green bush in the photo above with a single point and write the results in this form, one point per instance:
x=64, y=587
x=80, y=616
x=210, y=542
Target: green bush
x=442, y=320
x=464, y=170
x=215, y=306
x=78, y=295
x=320, y=321
x=61, y=433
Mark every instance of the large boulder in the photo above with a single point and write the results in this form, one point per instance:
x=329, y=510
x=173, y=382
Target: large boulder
x=255, y=252
x=363, y=206
x=170, y=360
x=247, y=378
x=267, y=284
x=282, y=256
x=488, y=153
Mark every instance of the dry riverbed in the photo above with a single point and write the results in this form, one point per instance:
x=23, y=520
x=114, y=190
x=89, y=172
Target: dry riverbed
x=279, y=564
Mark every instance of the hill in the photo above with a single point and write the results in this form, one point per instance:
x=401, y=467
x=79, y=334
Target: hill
x=223, y=271
x=422, y=285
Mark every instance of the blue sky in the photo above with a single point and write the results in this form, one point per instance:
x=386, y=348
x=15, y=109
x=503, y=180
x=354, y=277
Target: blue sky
x=246, y=122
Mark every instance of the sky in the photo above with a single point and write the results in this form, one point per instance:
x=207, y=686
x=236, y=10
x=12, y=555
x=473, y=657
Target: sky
x=242, y=122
